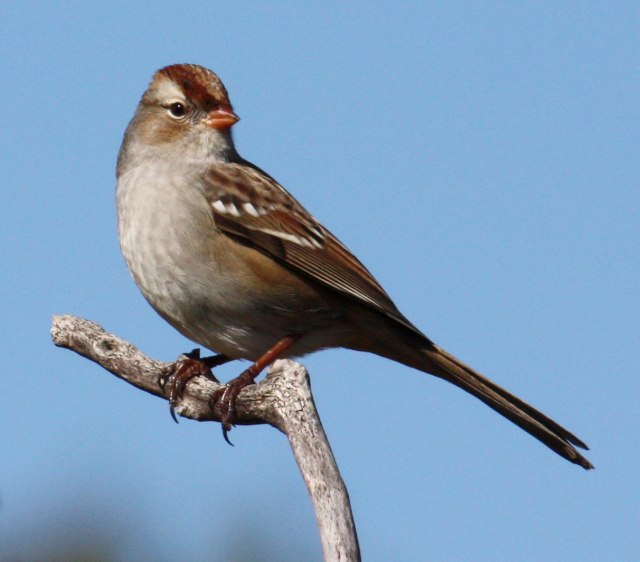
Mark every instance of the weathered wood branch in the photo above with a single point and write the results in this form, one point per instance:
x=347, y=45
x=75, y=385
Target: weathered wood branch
x=283, y=399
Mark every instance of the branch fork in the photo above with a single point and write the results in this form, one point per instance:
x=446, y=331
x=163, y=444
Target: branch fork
x=282, y=399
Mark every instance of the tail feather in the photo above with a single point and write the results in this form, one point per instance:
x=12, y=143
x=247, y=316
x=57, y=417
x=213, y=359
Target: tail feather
x=446, y=366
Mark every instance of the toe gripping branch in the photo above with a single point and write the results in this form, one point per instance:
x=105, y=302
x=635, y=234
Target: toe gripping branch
x=190, y=365
x=225, y=398
x=174, y=380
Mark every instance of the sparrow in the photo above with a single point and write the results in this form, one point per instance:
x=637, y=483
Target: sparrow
x=232, y=261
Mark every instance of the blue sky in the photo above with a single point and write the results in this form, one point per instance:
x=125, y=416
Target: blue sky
x=481, y=159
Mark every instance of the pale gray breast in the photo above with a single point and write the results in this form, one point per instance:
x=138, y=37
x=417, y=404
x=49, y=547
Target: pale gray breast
x=162, y=225
x=165, y=228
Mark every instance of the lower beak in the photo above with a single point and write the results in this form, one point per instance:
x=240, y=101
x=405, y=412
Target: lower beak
x=221, y=118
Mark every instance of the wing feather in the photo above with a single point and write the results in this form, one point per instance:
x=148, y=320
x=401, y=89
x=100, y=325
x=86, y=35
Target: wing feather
x=249, y=204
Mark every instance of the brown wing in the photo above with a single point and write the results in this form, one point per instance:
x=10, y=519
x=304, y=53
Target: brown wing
x=249, y=204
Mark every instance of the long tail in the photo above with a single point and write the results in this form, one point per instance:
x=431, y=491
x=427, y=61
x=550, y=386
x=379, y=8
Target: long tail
x=428, y=357
x=446, y=366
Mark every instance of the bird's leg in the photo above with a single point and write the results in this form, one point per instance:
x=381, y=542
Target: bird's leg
x=225, y=397
x=188, y=366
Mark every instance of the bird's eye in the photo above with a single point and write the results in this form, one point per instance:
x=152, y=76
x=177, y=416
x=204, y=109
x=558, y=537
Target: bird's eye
x=177, y=109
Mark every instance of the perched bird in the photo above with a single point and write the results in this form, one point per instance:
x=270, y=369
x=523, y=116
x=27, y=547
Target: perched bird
x=232, y=261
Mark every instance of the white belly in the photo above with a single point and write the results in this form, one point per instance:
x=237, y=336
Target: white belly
x=170, y=257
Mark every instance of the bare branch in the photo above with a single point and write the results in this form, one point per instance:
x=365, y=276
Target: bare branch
x=283, y=399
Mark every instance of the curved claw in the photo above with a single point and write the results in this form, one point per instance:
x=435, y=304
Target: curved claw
x=172, y=411
x=225, y=400
x=225, y=434
x=219, y=395
x=174, y=379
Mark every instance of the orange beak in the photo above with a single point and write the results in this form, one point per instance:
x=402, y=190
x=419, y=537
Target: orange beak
x=222, y=118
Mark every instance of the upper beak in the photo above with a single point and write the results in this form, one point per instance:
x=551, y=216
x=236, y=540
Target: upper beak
x=221, y=118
